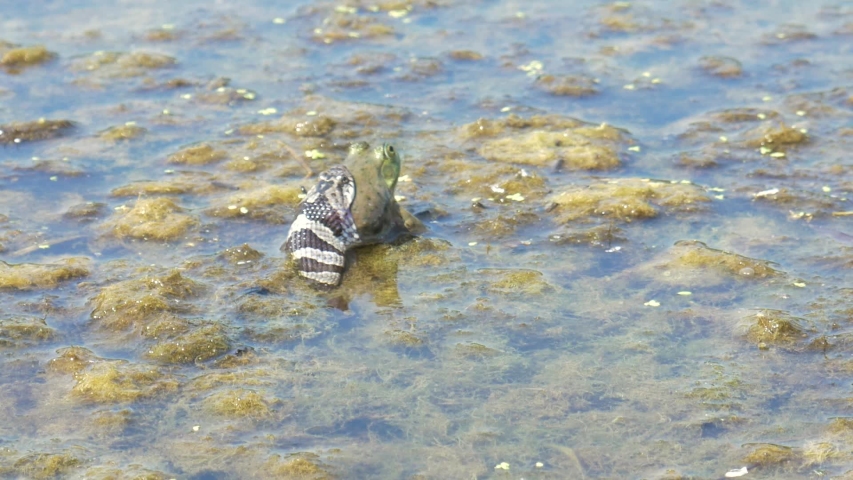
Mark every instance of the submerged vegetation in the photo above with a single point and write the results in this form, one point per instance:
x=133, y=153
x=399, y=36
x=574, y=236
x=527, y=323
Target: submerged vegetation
x=634, y=262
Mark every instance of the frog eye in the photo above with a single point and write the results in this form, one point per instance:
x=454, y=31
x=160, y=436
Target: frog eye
x=389, y=150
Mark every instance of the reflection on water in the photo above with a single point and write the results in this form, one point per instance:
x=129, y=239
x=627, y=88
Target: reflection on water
x=636, y=262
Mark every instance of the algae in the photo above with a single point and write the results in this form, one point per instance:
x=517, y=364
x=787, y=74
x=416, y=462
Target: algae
x=39, y=466
x=625, y=199
x=297, y=466
x=202, y=154
x=241, y=255
x=28, y=276
x=197, y=345
x=697, y=255
x=122, y=132
x=41, y=129
x=239, y=403
x=12, y=60
x=18, y=332
x=72, y=360
x=774, y=327
x=567, y=85
x=121, y=382
x=263, y=203
x=158, y=219
x=723, y=67
x=140, y=301
x=768, y=454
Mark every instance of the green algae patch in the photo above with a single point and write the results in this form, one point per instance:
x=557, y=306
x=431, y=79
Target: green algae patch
x=72, y=360
x=293, y=123
x=241, y=255
x=567, y=85
x=264, y=203
x=197, y=155
x=17, y=332
x=542, y=148
x=465, y=55
x=140, y=301
x=776, y=138
x=131, y=472
x=743, y=115
x=41, y=466
x=122, y=65
x=348, y=26
x=405, y=338
x=15, y=59
x=768, y=455
x=297, y=466
x=173, y=187
x=86, y=211
x=29, y=276
x=548, y=140
x=524, y=282
x=239, y=403
x=625, y=199
x=122, y=132
x=41, y=129
x=504, y=224
x=473, y=350
x=774, y=327
x=723, y=67
x=695, y=255
x=151, y=219
x=121, y=382
x=197, y=345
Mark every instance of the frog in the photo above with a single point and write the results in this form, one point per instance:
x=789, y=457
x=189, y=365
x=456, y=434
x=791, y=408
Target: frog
x=351, y=205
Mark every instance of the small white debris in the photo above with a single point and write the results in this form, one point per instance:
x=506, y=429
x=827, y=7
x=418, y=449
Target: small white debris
x=244, y=210
x=476, y=199
x=647, y=74
x=278, y=21
x=778, y=154
x=526, y=242
x=533, y=68
x=613, y=249
x=190, y=244
x=539, y=464
x=720, y=197
x=268, y=111
x=506, y=109
x=44, y=246
x=186, y=96
x=54, y=178
x=397, y=13
x=724, y=138
x=311, y=113
x=497, y=189
x=800, y=284
x=523, y=173
x=826, y=189
x=515, y=197
x=764, y=193
x=764, y=150
x=761, y=116
x=345, y=9
x=404, y=178
x=399, y=198
x=635, y=148
x=314, y=154
x=801, y=113
x=630, y=86
x=196, y=428
x=685, y=293
x=232, y=207
x=472, y=244
x=766, y=98
x=502, y=466
x=652, y=303
x=737, y=473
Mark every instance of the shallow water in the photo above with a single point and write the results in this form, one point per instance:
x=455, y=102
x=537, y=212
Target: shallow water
x=637, y=263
